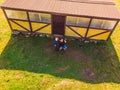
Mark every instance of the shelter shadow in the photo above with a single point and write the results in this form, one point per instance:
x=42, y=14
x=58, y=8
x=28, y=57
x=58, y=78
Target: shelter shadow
x=91, y=63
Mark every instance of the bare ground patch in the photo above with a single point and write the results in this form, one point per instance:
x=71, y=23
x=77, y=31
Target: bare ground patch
x=89, y=74
x=62, y=69
x=77, y=55
x=64, y=83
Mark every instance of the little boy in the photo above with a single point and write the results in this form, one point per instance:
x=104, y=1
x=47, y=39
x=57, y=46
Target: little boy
x=56, y=44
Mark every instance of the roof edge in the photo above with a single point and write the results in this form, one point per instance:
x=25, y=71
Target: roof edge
x=63, y=14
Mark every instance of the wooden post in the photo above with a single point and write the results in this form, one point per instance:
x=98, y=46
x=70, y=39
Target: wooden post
x=112, y=30
x=7, y=19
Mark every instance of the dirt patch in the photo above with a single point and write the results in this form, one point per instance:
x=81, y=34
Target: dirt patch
x=49, y=44
x=18, y=76
x=103, y=75
x=64, y=83
x=48, y=50
x=40, y=65
x=77, y=55
x=62, y=69
x=89, y=74
x=44, y=82
x=49, y=47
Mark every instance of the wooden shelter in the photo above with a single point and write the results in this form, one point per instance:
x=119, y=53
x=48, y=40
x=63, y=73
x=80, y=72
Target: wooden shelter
x=84, y=19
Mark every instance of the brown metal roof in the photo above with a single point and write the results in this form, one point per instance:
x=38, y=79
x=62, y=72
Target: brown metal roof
x=107, y=2
x=90, y=8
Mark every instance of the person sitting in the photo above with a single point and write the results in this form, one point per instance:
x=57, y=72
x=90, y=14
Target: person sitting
x=56, y=44
x=62, y=44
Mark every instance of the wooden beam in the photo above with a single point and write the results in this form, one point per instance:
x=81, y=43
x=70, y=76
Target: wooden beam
x=98, y=34
x=29, y=21
x=20, y=25
x=88, y=28
x=75, y=31
x=41, y=28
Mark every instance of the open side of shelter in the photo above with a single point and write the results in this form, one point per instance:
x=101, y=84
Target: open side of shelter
x=82, y=24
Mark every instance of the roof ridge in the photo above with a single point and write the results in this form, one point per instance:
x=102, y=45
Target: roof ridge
x=92, y=2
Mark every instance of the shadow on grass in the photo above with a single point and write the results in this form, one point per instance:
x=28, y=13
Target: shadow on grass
x=91, y=63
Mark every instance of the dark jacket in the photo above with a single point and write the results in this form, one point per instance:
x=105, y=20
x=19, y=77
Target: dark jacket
x=61, y=43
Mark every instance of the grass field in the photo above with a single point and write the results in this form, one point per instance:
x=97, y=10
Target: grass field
x=31, y=64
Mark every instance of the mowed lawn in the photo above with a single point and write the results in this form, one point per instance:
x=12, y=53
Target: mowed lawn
x=29, y=63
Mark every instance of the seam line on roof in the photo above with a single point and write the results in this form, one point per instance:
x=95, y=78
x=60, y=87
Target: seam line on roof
x=91, y=2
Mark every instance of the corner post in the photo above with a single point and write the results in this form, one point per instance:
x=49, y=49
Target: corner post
x=7, y=19
x=113, y=30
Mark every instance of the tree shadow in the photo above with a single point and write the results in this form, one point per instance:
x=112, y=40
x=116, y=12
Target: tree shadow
x=91, y=63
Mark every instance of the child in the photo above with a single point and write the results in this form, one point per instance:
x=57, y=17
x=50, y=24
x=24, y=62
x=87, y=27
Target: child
x=56, y=44
x=62, y=44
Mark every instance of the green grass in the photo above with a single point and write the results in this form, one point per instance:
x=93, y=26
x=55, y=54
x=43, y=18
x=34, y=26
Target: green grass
x=31, y=64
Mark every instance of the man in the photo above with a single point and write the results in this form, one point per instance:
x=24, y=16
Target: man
x=62, y=44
